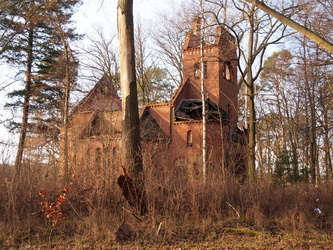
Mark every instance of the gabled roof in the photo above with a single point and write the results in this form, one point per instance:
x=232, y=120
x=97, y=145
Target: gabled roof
x=102, y=96
x=159, y=116
x=187, y=90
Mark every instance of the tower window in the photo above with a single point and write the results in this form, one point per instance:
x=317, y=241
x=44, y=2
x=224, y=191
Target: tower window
x=197, y=69
x=227, y=71
x=189, y=138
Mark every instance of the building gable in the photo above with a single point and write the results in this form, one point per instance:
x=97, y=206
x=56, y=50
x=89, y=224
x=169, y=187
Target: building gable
x=100, y=126
x=150, y=129
x=102, y=96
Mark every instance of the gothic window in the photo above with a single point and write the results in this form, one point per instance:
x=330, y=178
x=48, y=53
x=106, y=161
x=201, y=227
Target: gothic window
x=88, y=157
x=98, y=160
x=114, y=153
x=196, y=70
x=106, y=157
x=189, y=138
x=228, y=71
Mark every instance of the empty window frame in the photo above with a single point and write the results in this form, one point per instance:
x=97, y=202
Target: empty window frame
x=189, y=138
x=228, y=71
x=197, y=70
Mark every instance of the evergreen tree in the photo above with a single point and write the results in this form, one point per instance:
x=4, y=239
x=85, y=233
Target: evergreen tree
x=38, y=46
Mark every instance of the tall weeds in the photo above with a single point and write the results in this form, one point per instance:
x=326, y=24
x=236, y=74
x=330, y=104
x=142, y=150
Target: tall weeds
x=175, y=198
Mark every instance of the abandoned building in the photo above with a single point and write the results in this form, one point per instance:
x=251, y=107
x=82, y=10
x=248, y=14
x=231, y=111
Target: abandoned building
x=171, y=133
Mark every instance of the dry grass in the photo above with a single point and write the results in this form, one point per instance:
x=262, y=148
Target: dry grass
x=184, y=211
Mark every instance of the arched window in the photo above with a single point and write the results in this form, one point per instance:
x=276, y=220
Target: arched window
x=196, y=70
x=106, y=157
x=189, y=138
x=114, y=153
x=98, y=160
x=227, y=69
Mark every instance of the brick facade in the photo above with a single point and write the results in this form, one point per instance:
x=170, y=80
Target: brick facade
x=170, y=131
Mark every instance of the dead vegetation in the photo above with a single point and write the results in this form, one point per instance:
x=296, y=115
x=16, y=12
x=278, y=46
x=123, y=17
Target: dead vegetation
x=181, y=210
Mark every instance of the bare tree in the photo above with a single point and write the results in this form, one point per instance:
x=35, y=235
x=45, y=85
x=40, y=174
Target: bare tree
x=131, y=129
x=169, y=38
x=101, y=58
x=254, y=33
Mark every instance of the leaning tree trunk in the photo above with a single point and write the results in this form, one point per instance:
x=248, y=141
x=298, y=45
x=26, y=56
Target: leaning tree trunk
x=130, y=129
x=291, y=23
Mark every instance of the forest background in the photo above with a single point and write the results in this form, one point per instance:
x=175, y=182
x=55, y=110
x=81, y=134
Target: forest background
x=285, y=100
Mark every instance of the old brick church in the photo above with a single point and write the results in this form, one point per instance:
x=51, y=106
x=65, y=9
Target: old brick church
x=171, y=132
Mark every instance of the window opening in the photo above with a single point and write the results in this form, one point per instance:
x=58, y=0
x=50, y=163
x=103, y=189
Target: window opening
x=98, y=159
x=114, y=152
x=196, y=70
x=227, y=71
x=189, y=138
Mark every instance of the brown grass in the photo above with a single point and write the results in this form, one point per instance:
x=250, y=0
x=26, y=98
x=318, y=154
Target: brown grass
x=182, y=210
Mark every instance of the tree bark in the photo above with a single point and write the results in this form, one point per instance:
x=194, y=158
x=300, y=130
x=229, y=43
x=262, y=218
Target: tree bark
x=67, y=87
x=130, y=128
x=26, y=104
x=203, y=97
x=300, y=28
x=251, y=102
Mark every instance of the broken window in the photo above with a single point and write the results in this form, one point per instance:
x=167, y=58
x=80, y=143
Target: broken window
x=191, y=109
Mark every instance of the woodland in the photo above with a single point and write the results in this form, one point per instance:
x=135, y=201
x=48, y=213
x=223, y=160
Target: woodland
x=285, y=103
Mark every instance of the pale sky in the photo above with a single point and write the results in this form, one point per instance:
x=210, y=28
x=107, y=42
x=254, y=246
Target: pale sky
x=102, y=13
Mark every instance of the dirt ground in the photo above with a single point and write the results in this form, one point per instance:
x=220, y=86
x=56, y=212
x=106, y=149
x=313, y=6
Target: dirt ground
x=224, y=238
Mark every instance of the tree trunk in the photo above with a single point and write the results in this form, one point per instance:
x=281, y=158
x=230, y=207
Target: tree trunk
x=300, y=28
x=203, y=97
x=26, y=104
x=327, y=149
x=67, y=86
x=251, y=103
x=130, y=128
